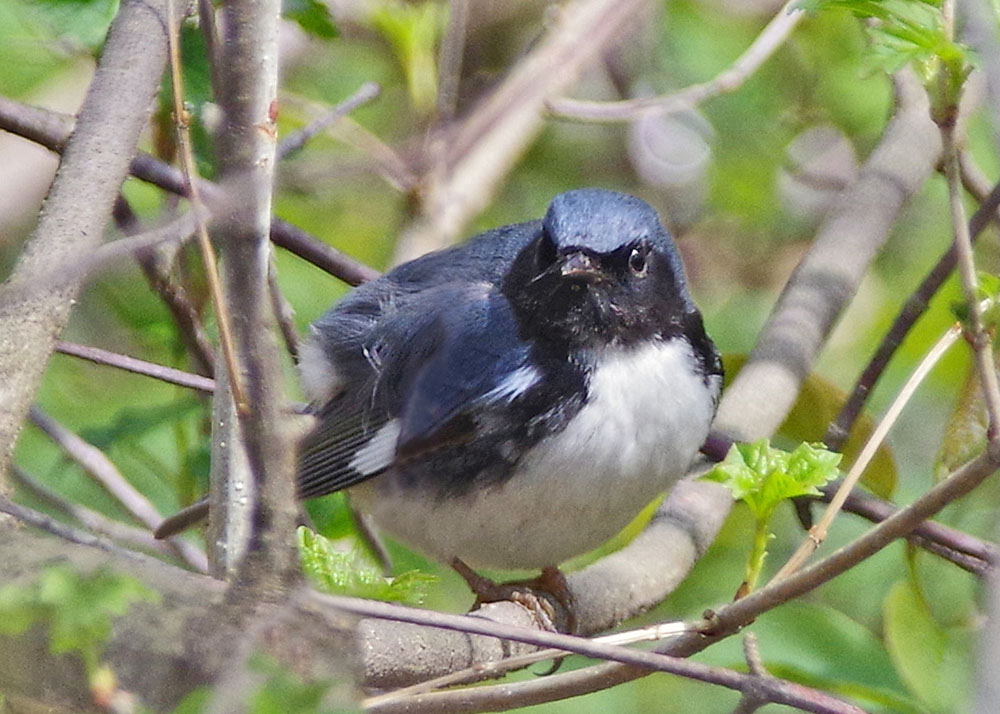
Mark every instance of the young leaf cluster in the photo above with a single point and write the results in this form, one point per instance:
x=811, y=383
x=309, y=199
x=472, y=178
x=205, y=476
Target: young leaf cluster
x=909, y=31
x=350, y=573
x=762, y=476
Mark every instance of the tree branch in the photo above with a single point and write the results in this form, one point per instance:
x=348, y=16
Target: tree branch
x=247, y=94
x=51, y=131
x=732, y=78
x=94, y=164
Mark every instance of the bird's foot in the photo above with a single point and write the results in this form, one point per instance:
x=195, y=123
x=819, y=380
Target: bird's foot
x=547, y=597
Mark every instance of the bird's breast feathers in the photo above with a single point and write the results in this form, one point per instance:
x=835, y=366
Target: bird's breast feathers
x=648, y=411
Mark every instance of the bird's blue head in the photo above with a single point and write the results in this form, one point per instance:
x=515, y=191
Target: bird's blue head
x=602, y=270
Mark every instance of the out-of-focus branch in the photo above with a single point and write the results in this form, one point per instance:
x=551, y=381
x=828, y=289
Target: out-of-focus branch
x=91, y=520
x=51, y=131
x=295, y=141
x=472, y=157
x=732, y=78
x=94, y=164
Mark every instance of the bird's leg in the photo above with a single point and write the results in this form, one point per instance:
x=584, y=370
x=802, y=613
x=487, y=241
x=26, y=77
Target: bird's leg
x=539, y=595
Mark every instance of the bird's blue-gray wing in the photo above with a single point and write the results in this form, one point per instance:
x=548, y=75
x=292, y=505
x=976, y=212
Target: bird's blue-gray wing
x=418, y=380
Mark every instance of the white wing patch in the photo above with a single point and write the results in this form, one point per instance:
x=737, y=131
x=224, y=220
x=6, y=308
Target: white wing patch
x=380, y=451
x=514, y=385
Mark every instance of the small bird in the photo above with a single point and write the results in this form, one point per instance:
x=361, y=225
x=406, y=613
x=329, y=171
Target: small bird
x=516, y=400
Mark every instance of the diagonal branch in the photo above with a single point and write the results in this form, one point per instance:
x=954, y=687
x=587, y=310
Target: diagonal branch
x=94, y=164
x=732, y=78
x=51, y=130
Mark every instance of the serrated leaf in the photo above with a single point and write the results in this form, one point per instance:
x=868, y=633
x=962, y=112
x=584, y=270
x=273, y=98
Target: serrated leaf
x=816, y=407
x=762, y=476
x=313, y=16
x=349, y=572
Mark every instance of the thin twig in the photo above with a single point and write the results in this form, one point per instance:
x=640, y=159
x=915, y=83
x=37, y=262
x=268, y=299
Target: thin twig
x=817, y=534
x=49, y=524
x=100, y=468
x=982, y=344
x=322, y=255
x=173, y=295
x=963, y=549
x=138, y=366
x=732, y=78
x=89, y=518
x=488, y=670
x=194, y=194
x=914, y=307
x=284, y=313
x=750, y=701
x=783, y=692
x=296, y=140
x=51, y=130
x=726, y=620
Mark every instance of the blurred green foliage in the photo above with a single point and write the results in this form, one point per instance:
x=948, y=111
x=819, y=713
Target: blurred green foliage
x=76, y=609
x=893, y=634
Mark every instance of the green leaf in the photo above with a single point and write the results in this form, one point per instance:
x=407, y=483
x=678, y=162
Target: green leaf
x=349, y=572
x=313, y=16
x=931, y=660
x=762, y=476
x=84, y=22
x=817, y=405
x=965, y=434
x=413, y=31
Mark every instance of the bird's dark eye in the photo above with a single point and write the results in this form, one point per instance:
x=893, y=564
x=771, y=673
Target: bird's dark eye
x=637, y=261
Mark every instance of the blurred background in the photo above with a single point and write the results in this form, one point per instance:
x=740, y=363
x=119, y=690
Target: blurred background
x=742, y=180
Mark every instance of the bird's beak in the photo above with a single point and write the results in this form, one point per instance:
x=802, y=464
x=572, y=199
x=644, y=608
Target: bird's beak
x=579, y=265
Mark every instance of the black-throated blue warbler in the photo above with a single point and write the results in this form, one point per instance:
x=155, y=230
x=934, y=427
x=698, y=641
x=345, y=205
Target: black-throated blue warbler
x=516, y=400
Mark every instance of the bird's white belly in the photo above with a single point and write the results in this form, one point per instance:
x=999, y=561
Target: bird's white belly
x=648, y=413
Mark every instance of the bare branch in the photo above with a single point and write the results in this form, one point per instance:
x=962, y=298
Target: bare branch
x=247, y=94
x=295, y=141
x=191, y=181
x=100, y=468
x=51, y=131
x=173, y=295
x=732, y=78
x=478, y=152
x=95, y=163
x=89, y=518
x=138, y=366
